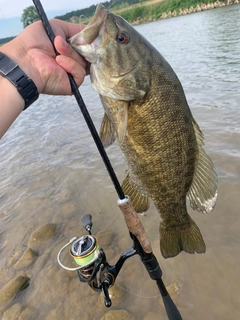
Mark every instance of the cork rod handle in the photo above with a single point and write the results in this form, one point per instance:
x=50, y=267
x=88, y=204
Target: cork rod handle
x=133, y=223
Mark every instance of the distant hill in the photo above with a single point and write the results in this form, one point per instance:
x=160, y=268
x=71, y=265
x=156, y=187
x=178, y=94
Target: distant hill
x=5, y=40
x=88, y=12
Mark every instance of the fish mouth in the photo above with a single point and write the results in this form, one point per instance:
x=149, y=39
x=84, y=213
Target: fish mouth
x=91, y=31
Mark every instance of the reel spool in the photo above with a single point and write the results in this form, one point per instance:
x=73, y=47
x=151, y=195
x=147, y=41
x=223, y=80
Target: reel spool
x=85, y=253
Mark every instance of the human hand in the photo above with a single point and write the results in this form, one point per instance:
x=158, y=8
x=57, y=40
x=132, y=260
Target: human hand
x=34, y=53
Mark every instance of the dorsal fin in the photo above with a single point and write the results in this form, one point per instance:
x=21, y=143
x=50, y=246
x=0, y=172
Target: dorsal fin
x=139, y=200
x=203, y=191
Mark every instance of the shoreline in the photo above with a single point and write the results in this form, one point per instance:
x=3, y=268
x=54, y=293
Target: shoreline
x=184, y=11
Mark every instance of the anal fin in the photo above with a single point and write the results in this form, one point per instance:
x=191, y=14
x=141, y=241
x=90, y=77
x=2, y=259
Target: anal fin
x=139, y=200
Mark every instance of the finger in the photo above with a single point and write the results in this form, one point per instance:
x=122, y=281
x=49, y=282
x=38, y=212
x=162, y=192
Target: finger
x=71, y=66
x=69, y=29
x=65, y=49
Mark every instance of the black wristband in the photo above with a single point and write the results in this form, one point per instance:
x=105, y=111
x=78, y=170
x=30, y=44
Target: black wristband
x=25, y=86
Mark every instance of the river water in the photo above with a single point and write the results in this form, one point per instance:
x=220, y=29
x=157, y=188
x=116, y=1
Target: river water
x=51, y=172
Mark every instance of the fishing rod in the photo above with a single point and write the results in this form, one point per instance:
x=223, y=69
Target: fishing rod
x=92, y=266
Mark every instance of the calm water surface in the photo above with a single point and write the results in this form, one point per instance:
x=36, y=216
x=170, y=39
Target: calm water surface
x=51, y=172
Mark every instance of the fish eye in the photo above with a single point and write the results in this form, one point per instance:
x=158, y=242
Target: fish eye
x=122, y=38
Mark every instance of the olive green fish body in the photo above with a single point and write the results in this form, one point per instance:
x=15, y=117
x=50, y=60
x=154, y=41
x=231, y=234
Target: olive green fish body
x=146, y=110
x=161, y=149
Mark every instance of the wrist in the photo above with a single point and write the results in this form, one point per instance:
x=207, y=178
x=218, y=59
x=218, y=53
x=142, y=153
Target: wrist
x=16, y=51
x=12, y=96
x=11, y=104
x=10, y=70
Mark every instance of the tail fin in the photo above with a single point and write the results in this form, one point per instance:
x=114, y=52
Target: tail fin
x=187, y=238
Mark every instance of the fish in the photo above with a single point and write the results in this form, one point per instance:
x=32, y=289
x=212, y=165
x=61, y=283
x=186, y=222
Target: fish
x=146, y=111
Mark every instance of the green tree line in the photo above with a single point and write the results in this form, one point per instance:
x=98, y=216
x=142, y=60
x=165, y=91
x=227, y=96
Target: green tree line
x=88, y=12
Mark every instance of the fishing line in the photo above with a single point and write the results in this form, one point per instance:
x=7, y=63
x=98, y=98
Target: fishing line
x=83, y=17
x=138, y=295
x=135, y=294
x=2, y=14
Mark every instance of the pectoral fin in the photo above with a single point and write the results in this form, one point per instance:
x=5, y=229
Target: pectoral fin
x=139, y=200
x=203, y=191
x=114, y=122
x=107, y=132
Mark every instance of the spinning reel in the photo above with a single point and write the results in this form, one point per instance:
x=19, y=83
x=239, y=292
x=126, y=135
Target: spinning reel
x=91, y=263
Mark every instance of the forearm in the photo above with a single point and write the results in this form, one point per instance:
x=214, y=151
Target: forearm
x=11, y=104
x=11, y=101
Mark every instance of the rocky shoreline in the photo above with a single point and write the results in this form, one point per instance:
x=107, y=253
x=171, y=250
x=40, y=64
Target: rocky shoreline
x=184, y=11
x=201, y=7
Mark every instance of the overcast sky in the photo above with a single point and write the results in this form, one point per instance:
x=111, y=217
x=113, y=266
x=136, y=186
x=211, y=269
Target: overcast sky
x=11, y=11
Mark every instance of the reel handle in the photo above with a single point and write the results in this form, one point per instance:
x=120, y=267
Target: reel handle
x=107, y=300
x=87, y=222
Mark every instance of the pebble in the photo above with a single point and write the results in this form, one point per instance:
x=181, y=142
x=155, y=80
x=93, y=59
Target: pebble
x=13, y=313
x=12, y=288
x=28, y=314
x=27, y=259
x=41, y=235
x=118, y=315
x=151, y=316
x=173, y=289
x=55, y=314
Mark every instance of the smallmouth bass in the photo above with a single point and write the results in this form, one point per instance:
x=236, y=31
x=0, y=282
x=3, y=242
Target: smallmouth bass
x=147, y=112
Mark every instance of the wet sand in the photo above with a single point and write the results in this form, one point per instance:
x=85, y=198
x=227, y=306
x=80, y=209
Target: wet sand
x=203, y=286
